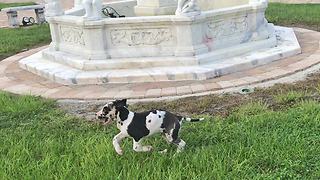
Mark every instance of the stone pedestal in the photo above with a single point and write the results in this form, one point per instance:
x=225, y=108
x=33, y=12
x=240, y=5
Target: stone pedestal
x=40, y=16
x=13, y=19
x=155, y=7
x=188, y=46
x=194, y=45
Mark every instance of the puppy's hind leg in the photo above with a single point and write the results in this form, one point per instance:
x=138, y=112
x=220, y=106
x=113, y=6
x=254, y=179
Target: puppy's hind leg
x=180, y=143
x=175, y=140
x=165, y=137
x=137, y=146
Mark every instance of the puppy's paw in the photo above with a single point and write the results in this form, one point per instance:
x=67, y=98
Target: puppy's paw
x=120, y=151
x=162, y=152
x=147, y=148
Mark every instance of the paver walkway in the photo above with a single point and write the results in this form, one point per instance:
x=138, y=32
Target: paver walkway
x=16, y=80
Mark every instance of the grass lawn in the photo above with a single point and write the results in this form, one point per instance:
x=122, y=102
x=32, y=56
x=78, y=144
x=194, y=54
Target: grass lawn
x=6, y=5
x=253, y=142
x=15, y=40
x=270, y=134
x=298, y=15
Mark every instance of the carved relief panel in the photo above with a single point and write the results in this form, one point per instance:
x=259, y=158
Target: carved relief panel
x=232, y=26
x=141, y=36
x=72, y=35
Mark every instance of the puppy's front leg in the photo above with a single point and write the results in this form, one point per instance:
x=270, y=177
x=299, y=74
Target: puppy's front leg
x=116, y=142
x=137, y=146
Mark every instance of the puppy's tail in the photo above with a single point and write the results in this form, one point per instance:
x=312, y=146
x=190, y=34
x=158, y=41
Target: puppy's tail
x=189, y=119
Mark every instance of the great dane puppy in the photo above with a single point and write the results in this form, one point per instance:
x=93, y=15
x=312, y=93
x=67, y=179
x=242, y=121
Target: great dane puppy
x=140, y=125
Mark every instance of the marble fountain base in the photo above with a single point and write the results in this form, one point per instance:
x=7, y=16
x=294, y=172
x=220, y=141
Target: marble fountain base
x=70, y=69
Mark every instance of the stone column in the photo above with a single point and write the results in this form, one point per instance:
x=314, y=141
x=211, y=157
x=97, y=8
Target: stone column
x=53, y=8
x=155, y=7
x=259, y=21
x=40, y=16
x=13, y=18
x=190, y=36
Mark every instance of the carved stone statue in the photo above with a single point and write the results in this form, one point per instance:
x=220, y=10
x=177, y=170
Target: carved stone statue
x=93, y=10
x=187, y=6
x=53, y=8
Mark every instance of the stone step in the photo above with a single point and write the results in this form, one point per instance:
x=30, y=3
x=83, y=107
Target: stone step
x=63, y=74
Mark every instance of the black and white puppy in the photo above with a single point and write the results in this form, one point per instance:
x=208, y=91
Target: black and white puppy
x=140, y=125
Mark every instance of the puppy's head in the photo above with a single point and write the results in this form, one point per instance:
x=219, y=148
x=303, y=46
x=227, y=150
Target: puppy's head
x=108, y=112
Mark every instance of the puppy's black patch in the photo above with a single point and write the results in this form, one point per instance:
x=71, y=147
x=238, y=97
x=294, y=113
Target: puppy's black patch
x=124, y=112
x=168, y=122
x=137, y=128
x=175, y=133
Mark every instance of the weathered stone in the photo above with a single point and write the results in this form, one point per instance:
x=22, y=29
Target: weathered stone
x=12, y=13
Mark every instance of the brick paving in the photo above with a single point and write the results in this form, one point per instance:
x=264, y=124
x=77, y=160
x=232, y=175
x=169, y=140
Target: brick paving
x=16, y=80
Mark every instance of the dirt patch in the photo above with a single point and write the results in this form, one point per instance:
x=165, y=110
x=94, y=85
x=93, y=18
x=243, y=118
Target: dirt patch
x=82, y=109
x=212, y=105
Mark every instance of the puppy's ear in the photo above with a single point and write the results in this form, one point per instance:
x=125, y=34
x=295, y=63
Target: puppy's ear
x=120, y=103
x=124, y=102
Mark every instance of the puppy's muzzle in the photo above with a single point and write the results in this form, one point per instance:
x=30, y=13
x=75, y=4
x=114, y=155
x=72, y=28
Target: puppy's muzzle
x=101, y=116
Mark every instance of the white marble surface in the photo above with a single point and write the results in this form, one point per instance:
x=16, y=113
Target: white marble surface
x=53, y=8
x=158, y=36
x=155, y=7
x=78, y=62
x=206, y=5
x=287, y=46
x=160, y=48
x=156, y=3
x=21, y=8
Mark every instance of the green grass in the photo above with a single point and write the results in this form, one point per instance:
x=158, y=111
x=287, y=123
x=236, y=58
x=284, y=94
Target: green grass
x=15, y=40
x=6, y=5
x=38, y=142
x=290, y=97
x=274, y=137
x=299, y=15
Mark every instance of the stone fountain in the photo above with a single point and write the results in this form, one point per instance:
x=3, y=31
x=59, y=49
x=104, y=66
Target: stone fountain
x=158, y=40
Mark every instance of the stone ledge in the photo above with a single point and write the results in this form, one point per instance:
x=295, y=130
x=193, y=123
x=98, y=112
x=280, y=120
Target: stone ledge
x=22, y=8
x=63, y=74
